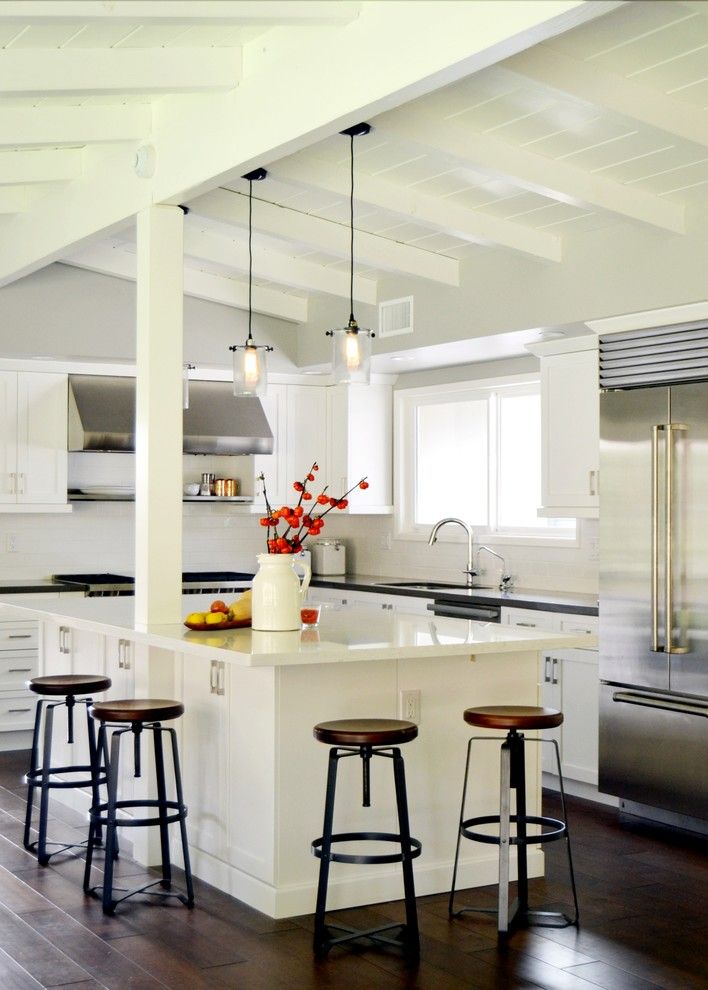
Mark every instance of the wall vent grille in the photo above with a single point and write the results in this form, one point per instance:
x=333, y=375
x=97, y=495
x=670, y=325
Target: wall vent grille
x=396, y=317
x=655, y=356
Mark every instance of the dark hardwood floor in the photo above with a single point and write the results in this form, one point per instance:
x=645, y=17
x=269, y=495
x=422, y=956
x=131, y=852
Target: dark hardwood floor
x=644, y=924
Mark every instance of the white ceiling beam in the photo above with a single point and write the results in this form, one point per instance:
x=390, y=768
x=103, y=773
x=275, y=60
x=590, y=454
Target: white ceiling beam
x=298, y=273
x=262, y=120
x=105, y=71
x=585, y=81
x=55, y=126
x=20, y=167
x=111, y=259
x=324, y=235
x=227, y=12
x=435, y=212
x=14, y=199
x=555, y=179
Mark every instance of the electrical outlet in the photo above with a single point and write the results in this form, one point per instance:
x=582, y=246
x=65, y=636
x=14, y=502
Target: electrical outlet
x=409, y=706
x=11, y=543
x=385, y=542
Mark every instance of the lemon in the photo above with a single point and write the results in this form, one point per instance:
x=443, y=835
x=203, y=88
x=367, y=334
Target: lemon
x=214, y=618
x=195, y=618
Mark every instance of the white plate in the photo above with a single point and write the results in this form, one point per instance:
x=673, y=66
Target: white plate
x=108, y=490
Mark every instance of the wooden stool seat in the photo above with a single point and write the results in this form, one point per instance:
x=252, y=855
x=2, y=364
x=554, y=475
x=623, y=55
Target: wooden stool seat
x=136, y=710
x=365, y=732
x=66, y=684
x=513, y=717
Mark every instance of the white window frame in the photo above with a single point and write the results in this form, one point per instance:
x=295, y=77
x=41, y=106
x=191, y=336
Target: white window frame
x=406, y=401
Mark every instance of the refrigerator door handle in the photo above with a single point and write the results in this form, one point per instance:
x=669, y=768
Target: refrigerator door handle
x=669, y=430
x=651, y=701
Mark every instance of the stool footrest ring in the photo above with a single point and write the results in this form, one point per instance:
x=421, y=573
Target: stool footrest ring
x=336, y=857
x=556, y=829
x=99, y=813
x=35, y=777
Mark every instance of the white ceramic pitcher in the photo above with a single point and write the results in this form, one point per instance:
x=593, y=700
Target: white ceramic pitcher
x=278, y=594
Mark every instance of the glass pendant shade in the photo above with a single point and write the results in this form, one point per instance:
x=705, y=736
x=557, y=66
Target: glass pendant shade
x=250, y=369
x=351, y=355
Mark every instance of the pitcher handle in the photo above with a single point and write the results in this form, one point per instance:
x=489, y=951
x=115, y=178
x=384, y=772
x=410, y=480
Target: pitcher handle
x=305, y=576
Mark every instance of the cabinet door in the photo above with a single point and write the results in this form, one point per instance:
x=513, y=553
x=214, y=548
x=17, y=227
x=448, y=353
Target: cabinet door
x=571, y=430
x=306, y=437
x=360, y=444
x=204, y=755
x=8, y=436
x=550, y=681
x=41, y=438
x=530, y=618
x=580, y=692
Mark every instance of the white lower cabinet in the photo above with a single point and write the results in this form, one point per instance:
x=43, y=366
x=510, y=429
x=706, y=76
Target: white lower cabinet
x=204, y=753
x=18, y=663
x=371, y=599
x=569, y=681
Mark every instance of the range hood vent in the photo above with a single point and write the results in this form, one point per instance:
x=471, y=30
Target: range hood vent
x=102, y=417
x=654, y=356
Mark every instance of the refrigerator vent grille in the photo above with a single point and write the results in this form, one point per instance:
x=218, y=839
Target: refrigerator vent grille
x=656, y=356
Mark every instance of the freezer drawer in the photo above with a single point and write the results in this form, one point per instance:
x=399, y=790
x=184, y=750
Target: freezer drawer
x=654, y=749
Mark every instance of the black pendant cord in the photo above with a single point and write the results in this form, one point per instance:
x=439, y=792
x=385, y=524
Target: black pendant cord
x=352, y=321
x=250, y=258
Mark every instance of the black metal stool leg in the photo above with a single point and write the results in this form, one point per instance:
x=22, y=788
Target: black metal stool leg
x=518, y=784
x=31, y=775
x=504, y=836
x=161, y=807
x=113, y=771
x=412, y=936
x=576, y=919
x=450, y=905
x=42, y=856
x=189, y=900
x=95, y=829
x=320, y=944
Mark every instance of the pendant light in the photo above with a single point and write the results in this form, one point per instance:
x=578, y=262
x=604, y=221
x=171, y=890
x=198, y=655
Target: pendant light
x=351, y=345
x=250, y=374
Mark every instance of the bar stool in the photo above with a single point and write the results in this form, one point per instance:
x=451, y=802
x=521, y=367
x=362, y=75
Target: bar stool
x=136, y=716
x=366, y=738
x=68, y=687
x=514, y=718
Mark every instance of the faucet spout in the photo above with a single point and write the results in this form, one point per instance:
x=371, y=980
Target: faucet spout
x=469, y=570
x=505, y=579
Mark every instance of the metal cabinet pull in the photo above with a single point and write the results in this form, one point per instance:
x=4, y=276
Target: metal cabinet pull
x=213, y=674
x=546, y=670
x=18, y=711
x=20, y=636
x=650, y=701
x=592, y=481
x=220, y=677
x=127, y=664
x=554, y=670
x=63, y=639
x=21, y=488
x=13, y=483
x=529, y=625
x=670, y=430
x=20, y=670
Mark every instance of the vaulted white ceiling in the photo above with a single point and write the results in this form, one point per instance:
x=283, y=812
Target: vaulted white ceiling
x=496, y=144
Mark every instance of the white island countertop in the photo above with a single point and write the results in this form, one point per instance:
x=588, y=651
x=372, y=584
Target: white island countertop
x=351, y=633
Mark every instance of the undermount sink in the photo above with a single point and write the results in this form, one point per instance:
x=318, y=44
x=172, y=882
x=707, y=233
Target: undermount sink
x=422, y=585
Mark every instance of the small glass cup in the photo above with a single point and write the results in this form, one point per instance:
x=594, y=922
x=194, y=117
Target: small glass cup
x=310, y=615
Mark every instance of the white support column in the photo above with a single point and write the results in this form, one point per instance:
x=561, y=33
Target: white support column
x=158, y=435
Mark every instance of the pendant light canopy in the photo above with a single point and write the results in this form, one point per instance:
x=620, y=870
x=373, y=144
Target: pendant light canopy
x=351, y=345
x=250, y=372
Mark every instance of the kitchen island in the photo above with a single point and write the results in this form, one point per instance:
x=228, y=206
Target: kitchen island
x=254, y=777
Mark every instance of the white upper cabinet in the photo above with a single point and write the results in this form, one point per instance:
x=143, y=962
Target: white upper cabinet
x=33, y=449
x=346, y=429
x=360, y=440
x=571, y=431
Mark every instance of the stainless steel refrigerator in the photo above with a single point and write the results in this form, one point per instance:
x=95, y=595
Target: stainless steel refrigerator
x=654, y=586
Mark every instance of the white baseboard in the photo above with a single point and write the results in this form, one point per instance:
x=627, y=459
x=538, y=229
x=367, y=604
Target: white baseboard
x=579, y=789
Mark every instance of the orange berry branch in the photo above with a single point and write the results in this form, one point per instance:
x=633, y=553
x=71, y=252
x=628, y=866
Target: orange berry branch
x=299, y=524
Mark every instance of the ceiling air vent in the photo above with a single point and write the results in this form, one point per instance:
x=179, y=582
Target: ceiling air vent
x=396, y=317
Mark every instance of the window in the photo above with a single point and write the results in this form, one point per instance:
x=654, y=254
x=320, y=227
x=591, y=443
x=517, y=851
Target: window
x=473, y=450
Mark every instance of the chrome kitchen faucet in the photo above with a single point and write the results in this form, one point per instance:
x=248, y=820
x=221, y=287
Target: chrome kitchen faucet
x=469, y=570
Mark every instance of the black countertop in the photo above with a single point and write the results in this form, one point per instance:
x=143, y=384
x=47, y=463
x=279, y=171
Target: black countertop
x=541, y=600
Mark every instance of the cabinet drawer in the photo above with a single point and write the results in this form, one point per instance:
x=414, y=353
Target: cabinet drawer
x=580, y=624
x=16, y=669
x=19, y=635
x=531, y=618
x=17, y=712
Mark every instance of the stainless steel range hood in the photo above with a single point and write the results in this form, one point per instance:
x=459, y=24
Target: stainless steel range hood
x=102, y=417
